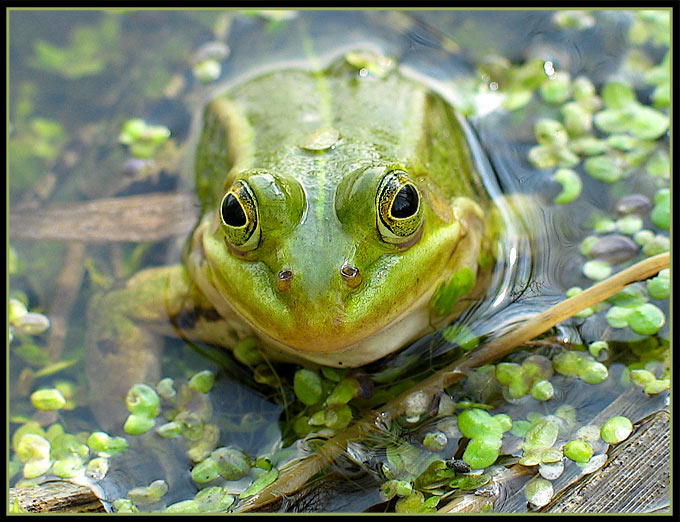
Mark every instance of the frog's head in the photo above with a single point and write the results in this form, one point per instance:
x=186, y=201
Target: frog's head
x=340, y=215
x=323, y=266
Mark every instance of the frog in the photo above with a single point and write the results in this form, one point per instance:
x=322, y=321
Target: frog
x=335, y=205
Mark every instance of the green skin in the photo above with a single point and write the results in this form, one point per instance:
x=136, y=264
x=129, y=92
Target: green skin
x=317, y=210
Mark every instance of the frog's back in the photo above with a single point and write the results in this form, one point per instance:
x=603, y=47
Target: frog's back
x=257, y=122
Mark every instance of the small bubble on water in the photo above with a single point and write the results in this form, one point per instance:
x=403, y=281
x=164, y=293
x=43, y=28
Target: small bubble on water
x=549, y=68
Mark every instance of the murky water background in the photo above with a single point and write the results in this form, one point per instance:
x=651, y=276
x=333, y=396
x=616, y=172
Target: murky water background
x=139, y=64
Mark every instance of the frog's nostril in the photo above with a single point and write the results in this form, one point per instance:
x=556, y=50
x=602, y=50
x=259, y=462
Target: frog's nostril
x=350, y=275
x=284, y=280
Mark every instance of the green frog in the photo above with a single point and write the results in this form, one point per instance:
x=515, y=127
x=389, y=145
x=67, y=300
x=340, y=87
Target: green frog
x=335, y=204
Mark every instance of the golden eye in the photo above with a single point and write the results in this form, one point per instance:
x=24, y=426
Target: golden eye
x=240, y=218
x=400, y=214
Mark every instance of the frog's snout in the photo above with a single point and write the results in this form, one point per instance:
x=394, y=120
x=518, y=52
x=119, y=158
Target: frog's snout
x=350, y=274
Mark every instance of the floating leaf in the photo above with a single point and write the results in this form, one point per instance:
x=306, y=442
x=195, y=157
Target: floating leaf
x=308, y=387
x=616, y=429
x=202, y=381
x=260, y=483
x=578, y=451
x=646, y=319
x=481, y=453
x=571, y=186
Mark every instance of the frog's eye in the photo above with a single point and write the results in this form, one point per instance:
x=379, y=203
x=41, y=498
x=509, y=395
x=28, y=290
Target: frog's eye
x=400, y=215
x=240, y=218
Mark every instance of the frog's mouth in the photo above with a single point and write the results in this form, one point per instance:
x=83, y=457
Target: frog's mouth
x=340, y=341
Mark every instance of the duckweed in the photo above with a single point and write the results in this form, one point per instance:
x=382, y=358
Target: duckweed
x=246, y=352
x=333, y=374
x=143, y=400
x=599, y=349
x=138, y=424
x=207, y=70
x=657, y=386
x=578, y=121
x=616, y=429
x=125, y=505
x=656, y=245
x=97, y=468
x=143, y=139
x=481, y=453
x=435, y=441
x=551, y=470
x=661, y=213
x=646, y=319
x=542, y=434
x=34, y=451
x=538, y=491
x=594, y=373
x=413, y=503
x=205, y=471
x=542, y=391
x=232, y=463
x=659, y=287
x=578, y=450
x=469, y=482
x=629, y=225
x=68, y=467
x=485, y=432
x=588, y=145
x=642, y=377
x=642, y=317
x=658, y=165
x=589, y=433
x=28, y=323
x=623, y=113
x=573, y=19
x=148, y=494
x=520, y=428
x=343, y=392
x=556, y=89
x=392, y=488
x=202, y=381
x=604, y=168
x=596, y=270
x=477, y=423
x=338, y=417
x=15, y=310
x=604, y=226
x=571, y=186
x=508, y=372
x=209, y=500
x=307, y=386
x=165, y=388
x=552, y=150
x=617, y=316
x=260, y=483
x=48, y=399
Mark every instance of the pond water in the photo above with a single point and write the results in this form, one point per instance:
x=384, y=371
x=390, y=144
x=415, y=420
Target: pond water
x=567, y=113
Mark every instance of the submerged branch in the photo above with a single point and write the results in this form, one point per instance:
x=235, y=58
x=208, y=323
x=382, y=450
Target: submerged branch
x=149, y=217
x=296, y=475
